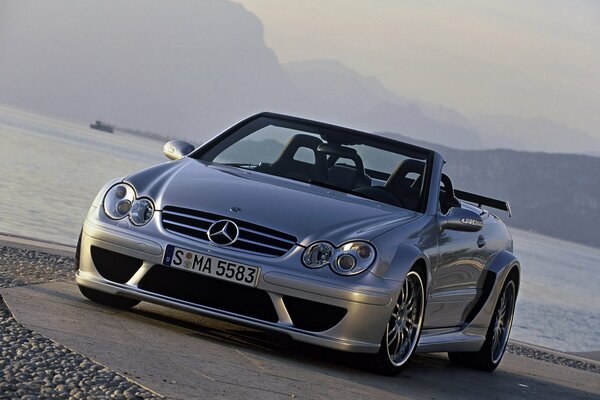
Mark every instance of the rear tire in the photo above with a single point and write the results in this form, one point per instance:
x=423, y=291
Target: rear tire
x=106, y=299
x=492, y=351
x=403, y=329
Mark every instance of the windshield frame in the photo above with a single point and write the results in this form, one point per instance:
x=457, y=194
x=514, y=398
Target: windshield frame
x=237, y=132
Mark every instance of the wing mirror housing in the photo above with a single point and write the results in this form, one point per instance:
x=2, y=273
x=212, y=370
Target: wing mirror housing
x=177, y=149
x=460, y=219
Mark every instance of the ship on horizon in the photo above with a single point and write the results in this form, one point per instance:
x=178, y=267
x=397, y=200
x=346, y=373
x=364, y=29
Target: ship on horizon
x=102, y=126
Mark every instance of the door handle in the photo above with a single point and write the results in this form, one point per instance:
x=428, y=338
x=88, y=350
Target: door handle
x=480, y=241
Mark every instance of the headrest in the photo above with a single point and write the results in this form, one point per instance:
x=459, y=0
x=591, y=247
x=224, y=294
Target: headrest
x=404, y=168
x=296, y=142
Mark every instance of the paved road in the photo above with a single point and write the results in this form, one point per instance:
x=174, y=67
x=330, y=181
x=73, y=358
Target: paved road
x=181, y=355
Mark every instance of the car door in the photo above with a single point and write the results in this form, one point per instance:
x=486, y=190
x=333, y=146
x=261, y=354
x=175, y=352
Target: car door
x=455, y=274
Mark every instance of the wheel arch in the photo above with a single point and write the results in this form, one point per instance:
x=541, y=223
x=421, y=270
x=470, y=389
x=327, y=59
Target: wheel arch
x=406, y=258
x=420, y=266
x=498, y=269
x=515, y=272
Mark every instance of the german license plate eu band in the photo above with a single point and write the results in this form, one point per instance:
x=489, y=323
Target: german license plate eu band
x=208, y=265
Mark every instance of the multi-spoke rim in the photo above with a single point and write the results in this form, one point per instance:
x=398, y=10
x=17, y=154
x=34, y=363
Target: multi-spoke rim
x=503, y=321
x=403, y=328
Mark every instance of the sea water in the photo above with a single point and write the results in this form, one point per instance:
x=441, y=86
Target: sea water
x=51, y=170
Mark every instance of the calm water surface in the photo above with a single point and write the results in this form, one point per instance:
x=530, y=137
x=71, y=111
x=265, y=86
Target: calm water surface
x=51, y=170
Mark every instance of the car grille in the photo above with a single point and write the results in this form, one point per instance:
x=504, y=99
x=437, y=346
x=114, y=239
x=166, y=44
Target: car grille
x=253, y=238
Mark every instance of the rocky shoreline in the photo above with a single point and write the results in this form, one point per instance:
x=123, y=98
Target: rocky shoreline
x=35, y=367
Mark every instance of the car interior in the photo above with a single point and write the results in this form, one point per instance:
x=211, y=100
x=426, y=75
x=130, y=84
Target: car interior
x=342, y=167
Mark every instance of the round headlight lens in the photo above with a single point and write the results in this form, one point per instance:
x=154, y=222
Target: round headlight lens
x=120, y=192
x=317, y=255
x=141, y=212
x=353, y=258
x=346, y=262
x=123, y=207
x=364, y=251
x=118, y=200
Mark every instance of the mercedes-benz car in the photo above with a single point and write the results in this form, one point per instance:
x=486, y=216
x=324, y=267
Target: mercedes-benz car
x=335, y=237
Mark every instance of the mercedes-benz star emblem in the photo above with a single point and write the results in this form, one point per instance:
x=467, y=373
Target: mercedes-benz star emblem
x=223, y=232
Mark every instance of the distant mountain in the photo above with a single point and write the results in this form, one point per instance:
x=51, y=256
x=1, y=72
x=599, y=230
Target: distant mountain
x=190, y=69
x=533, y=134
x=186, y=69
x=553, y=194
x=341, y=95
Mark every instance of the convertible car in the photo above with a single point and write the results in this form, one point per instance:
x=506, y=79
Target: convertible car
x=335, y=237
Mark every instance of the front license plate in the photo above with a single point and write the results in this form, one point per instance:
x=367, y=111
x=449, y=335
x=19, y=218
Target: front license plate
x=215, y=267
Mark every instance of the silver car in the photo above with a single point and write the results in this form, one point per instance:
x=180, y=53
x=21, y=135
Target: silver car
x=335, y=237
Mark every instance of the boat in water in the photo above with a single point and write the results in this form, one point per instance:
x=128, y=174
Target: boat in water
x=102, y=126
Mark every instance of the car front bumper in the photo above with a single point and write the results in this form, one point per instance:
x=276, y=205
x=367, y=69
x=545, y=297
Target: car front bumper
x=367, y=299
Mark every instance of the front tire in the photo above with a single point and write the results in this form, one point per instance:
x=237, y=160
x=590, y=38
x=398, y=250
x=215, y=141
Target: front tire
x=403, y=329
x=108, y=299
x=492, y=351
x=78, y=250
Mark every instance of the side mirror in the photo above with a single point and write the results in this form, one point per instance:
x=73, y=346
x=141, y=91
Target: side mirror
x=459, y=219
x=177, y=149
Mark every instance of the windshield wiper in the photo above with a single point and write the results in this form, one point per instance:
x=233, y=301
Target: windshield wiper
x=241, y=165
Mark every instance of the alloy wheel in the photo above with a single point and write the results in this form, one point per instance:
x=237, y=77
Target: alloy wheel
x=404, y=326
x=503, y=322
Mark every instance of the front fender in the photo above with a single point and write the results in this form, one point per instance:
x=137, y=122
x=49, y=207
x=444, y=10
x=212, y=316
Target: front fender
x=401, y=248
x=398, y=263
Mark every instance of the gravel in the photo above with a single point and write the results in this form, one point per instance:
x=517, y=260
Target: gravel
x=19, y=267
x=35, y=367
x=554, y=358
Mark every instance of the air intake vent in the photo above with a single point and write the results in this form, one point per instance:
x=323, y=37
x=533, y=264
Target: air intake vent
x=209, y=292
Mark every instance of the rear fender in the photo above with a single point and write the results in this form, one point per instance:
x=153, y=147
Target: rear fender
x=496, y=271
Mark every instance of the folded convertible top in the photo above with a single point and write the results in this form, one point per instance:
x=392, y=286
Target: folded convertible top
x=482, y=200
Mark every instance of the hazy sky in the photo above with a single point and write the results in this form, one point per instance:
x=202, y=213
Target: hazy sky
x=524, y=58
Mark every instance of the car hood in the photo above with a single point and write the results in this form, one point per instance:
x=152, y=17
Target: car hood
x=306, y=211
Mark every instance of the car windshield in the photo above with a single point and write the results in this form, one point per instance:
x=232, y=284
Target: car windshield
x=349, y=161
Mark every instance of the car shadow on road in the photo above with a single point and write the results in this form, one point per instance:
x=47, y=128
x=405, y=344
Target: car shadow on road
x=427, y=376
x=224, y=332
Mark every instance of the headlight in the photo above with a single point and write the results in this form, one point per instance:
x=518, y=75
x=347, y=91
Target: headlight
x=120, y=201
x=117, y=201
x=141, y=212
x=353, y=258
x=350, y=258
x=317, y=254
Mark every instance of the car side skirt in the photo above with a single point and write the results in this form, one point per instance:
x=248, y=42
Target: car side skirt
x=433, y=341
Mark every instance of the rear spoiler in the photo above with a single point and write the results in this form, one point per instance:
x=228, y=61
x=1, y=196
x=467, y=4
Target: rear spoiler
x=482, y=200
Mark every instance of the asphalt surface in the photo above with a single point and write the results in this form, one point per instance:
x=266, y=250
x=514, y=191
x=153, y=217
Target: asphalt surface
x=182, y=355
